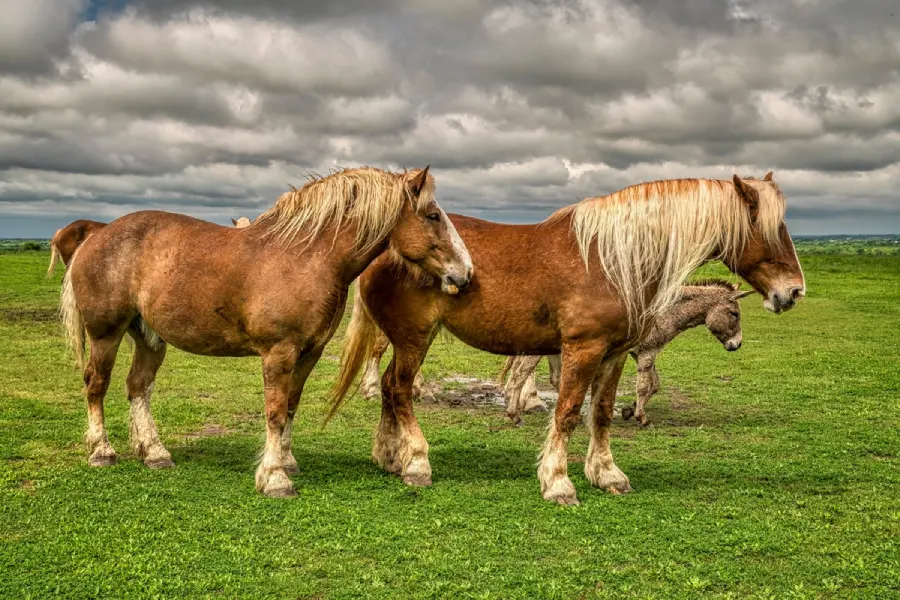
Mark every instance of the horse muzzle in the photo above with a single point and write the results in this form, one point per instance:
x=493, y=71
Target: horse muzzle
x=780, y=301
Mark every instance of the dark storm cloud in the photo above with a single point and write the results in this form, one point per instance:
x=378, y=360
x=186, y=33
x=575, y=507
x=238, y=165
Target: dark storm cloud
x=520, y=106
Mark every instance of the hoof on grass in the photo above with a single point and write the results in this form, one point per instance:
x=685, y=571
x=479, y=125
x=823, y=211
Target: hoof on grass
x=160, y=463
x=417, y=480
x=103, y=460
x=627, y=412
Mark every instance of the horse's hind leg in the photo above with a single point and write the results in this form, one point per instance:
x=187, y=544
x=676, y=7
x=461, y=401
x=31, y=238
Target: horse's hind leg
x=371, y=381
x=599, y=467
x=96, y=382
x=145, y=441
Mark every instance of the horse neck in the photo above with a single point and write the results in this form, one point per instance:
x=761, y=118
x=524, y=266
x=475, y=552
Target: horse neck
x=342, y=251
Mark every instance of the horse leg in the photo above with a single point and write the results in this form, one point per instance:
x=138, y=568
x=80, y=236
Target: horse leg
x=371, y=381
x=400, y=447
x=647, y=385
x=553, y=361
x=578, y=368
x=599, y=467
x=522, y=368
x=278, y=375
x=301, y=373
x=96, y=382
x=145, y=441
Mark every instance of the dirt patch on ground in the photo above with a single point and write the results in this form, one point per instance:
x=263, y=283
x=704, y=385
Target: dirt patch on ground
x=678, y=400
x=206, y=431
x=28, y=315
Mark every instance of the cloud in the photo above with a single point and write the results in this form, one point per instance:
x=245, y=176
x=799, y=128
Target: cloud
x=520, y=107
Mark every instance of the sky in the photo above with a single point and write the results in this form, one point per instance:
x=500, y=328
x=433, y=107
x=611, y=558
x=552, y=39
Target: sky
x=213, y=108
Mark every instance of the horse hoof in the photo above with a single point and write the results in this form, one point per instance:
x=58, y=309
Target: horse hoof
x=417, y=480
x=160, y=463
x=104, y=460
x=566, y=500
x=646, y=422
x=627, y=413
x=620, y=489
x=280, y=492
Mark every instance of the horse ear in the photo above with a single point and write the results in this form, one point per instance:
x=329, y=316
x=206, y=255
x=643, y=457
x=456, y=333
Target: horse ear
x=233, y=221
x=418, y=182
x=768, y=176
x=747, y=194
x=743, y=294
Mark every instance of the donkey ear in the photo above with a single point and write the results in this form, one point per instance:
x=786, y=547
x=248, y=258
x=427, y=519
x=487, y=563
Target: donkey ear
x=743, y=294
x=747, y=194
x=418, y=182
x=233, y=221
x=768, y=176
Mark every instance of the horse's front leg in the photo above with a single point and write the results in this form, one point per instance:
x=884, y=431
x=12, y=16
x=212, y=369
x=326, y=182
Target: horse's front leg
x=278, y=377
x=399, y=445
x=599, y=467
x=301, y=373
x=579, y=364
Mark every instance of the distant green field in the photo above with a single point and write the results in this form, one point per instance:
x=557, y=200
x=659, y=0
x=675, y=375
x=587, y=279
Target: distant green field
x=772, y=472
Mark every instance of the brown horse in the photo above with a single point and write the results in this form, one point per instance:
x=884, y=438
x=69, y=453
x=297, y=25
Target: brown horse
x=585, y=283
x=276, y=289
x=66, y=240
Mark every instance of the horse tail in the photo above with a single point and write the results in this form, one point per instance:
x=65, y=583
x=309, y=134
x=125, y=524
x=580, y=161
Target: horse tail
x=362, y=332
x=54, y=255
x=505, y=369
x=71, y=316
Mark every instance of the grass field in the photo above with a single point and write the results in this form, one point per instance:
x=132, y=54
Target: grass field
x=772, y=472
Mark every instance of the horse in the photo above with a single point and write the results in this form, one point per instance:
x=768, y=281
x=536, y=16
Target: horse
x=710, y=302
x=276, y=289
x=585, y=283
x=66, y=240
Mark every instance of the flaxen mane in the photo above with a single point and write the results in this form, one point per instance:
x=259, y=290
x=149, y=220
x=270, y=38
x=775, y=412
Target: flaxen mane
x=369, y=198
x=659, y=232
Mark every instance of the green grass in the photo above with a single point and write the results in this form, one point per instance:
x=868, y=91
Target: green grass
x=770, y=473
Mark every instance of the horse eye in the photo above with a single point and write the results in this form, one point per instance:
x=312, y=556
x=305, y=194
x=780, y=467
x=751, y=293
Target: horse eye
x=434, y=217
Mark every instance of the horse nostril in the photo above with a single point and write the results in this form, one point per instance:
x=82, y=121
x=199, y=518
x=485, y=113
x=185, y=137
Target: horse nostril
x=797, y=293
x=460, y=282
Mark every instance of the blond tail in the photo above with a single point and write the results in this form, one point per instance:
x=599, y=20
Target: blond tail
x=362, y=332
x=54, y=257
x=71, y=317
x=505, y=369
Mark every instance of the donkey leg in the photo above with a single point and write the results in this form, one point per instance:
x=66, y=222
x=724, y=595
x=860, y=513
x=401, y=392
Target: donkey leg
x=599, y=467
x=371, y=381
x=520, y=371
x=578, y=369
x=96, y=381
x=408, y=446
x=145, y=441
x=420, y=389
x=278, y=368
x=647, y=385
x=533, y=401
x=301, y=373
x=553, y=361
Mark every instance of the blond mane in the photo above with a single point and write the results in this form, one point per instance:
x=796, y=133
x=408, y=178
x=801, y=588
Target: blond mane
x=658, y=233
x=368, y=198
